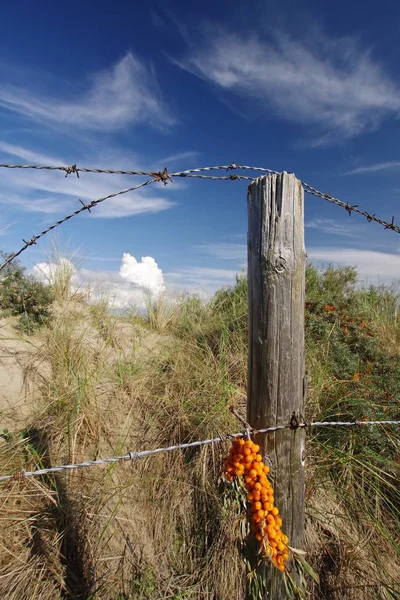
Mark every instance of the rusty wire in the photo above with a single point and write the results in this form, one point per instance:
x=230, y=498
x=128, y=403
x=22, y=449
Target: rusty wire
x=350, y=207
x=74, y=169
x=84, y=207
x=165, y=177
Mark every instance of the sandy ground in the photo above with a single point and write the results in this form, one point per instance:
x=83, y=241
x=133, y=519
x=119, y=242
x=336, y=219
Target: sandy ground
x=22, y=369
x=18, y=371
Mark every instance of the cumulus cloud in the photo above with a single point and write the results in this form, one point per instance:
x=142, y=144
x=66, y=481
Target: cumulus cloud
x=330, y=83
x=49, y=272
x=131, y=287
x=145, y=274
x=125, y=94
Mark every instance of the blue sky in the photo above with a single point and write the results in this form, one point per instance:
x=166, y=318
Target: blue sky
x=313, y=89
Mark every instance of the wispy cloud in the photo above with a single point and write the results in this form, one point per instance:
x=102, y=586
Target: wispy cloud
x=49, y=192
x=189, y=155
x=31, y=155
x=371, y=266
x=332, y=227
x=393, y=165
x=224, y=250
x=332, y=84
x=4, y=228
x=125, y=94
x=201, y=280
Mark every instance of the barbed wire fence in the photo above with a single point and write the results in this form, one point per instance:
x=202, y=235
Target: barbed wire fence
x=165, y=178
x=145, y=453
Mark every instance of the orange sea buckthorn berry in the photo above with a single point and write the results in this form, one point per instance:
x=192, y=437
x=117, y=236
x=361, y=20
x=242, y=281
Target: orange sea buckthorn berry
x=245, y=460
x=281, y=547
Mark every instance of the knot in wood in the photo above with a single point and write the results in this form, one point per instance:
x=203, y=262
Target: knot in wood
x=280, y=264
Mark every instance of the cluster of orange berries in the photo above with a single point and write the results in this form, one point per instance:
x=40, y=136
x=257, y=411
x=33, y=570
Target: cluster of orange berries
x=245, y=461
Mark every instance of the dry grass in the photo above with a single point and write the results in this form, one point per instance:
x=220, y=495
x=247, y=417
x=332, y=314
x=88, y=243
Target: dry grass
x=167, y=526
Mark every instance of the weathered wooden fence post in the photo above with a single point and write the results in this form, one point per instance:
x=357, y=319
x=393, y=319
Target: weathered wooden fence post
x=276, y=280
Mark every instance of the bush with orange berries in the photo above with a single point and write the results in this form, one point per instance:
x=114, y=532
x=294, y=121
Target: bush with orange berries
x=244, y=461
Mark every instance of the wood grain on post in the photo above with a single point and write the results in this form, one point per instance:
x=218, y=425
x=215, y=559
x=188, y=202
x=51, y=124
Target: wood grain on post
x=276, y=280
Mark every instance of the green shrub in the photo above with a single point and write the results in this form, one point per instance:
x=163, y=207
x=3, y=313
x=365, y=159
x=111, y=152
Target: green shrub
x=23, y=296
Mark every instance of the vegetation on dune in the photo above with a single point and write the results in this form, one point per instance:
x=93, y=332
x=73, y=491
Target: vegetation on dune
x=168, y=526
x=23, y=296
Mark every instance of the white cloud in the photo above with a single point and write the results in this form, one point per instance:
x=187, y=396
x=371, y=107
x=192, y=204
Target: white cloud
x=50, y=272
x=225, y=250
x=189, y=155
x=50, y=192
x=332, y=84
x=201, y=280
x=31, y=155
x=371, y=266
x=4, y=228
x=125, y=94
x=145, y=274
x=386, y=166
x=131, y=287
x=332, y=227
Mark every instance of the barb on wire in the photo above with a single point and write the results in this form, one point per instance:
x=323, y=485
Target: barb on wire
x=162, y=176
x=75, y=169
x=165, y=177
x=73, y=214
x=350, y=208
x=71, y=169
x=144, y=453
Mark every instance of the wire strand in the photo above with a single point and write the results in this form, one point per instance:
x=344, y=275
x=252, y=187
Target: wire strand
x=84, y=207
x=166, y=177
x=223, y=438
x=68, y=170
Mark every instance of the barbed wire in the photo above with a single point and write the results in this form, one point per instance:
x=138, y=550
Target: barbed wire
x=350, y=207
x=165, y=178
x=145, y=453
x=69, y=170
x=84, y=207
